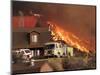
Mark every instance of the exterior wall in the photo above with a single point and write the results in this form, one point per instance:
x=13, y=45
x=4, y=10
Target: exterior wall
x=57, y=51
x=70, y=51
x=38, y=52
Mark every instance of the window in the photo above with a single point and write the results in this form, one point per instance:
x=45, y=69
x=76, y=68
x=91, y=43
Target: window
x=27, y=51
x=60, y=46
x=34, y=38
x=22, y=52
x=51, y=46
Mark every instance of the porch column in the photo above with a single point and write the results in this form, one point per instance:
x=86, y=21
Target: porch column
x=38, y=52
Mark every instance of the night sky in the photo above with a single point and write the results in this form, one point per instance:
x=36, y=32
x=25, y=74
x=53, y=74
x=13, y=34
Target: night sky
x=78, y=19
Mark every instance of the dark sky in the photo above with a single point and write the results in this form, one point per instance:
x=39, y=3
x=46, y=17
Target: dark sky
x=78, y=19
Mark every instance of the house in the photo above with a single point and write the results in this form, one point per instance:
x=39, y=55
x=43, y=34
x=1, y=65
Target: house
x=32, y=38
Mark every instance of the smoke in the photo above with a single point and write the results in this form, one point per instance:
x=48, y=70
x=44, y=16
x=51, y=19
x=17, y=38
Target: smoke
x=78, y=19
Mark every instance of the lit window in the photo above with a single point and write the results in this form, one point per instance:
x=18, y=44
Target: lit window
x=34, y=38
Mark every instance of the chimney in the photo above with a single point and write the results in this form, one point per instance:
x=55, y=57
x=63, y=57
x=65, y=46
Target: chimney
x=21, y=19
x=35, y=15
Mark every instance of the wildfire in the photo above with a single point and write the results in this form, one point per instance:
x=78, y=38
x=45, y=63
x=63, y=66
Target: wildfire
x=59, y=34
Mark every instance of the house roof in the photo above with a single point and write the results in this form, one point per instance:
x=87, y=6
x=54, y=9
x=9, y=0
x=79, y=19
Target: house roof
x=28, y=30
x=28, y=21
x=38, y=45
x=20, y=40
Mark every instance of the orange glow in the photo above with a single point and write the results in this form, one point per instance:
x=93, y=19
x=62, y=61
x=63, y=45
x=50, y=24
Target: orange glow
x=59, y=34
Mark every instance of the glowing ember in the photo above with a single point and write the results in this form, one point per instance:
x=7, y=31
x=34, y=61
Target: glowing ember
x=59, y=34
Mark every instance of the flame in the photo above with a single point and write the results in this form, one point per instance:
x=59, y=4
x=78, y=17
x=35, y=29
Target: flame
x=59, y=34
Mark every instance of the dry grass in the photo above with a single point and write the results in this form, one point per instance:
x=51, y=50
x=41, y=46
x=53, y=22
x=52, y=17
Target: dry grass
x=73, y=63
x=56, y=63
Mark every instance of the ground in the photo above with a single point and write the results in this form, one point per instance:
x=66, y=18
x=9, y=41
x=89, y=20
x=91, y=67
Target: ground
x=55, y=64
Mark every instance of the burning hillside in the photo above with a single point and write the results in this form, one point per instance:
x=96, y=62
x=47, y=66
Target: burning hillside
x=59, y=34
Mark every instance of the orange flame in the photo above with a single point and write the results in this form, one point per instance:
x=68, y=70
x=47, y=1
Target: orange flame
x=59, y=34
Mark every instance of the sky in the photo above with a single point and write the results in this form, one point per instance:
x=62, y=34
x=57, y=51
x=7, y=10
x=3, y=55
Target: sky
x=78, y=19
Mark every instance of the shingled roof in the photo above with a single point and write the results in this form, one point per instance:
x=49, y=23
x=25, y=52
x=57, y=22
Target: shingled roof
x=20, y=38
